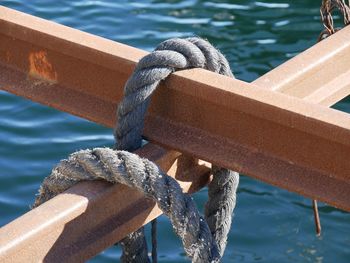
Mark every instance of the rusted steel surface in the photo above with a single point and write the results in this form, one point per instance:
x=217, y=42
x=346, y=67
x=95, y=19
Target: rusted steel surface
x=327, y=94
x=91, y=216
x=276, y=138
x=84, y=75
x=320, y=74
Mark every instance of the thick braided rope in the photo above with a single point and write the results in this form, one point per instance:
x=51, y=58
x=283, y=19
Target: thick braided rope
x=221, y=203
x=55, y=183
x=131, y=170
x=169, y=56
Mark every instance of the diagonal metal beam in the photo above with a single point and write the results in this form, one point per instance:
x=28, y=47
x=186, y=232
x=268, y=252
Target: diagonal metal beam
x=319, y=75
x=276, y=138
x=332, y=79
x=84, y=75
x=91, y=216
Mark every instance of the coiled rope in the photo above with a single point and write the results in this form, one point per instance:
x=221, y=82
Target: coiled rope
x=203, y=240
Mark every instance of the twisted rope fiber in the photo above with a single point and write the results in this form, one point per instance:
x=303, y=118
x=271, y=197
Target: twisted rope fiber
x=129, y=169
x=169, y=56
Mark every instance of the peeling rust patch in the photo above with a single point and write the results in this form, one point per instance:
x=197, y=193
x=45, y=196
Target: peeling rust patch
x=40, y=67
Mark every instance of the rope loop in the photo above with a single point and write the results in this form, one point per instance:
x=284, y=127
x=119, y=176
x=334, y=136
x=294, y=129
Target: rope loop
x=131, y=170
x=204, y=239
x=169, y=56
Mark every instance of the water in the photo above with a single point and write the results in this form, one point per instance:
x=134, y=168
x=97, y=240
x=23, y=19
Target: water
x=271, y=225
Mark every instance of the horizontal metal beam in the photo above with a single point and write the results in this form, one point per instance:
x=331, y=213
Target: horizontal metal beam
x=91, y=216
x=276, y=138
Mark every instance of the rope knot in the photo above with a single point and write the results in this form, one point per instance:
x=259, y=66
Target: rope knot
x=204, y=240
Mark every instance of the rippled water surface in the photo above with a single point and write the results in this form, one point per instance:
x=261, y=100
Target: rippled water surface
x=271, y=225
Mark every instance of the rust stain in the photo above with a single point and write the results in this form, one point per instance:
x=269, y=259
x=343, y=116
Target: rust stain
x=40, y=66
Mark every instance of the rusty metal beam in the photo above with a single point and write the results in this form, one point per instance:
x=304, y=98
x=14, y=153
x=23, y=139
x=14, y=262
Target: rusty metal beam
x=319, y=75
x=89, y=217
x=315, y=62
x=272, y=137
x=82, y=203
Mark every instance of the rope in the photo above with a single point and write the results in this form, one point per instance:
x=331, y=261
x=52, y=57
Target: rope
x=221, y=203
x=134, y=247
x=131, y=170
x=169, y=56
x=202, y=242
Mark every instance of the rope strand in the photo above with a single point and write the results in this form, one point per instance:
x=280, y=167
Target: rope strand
x=169, y=56
x=202, y=241
x=143, y=175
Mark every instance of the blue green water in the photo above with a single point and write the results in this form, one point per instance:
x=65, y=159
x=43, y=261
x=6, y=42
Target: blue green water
x=270, y=225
